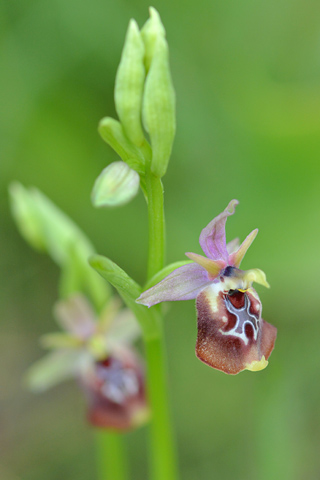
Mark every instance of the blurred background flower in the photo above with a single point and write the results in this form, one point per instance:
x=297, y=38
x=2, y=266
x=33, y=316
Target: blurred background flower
x=247, y=77
x=99, y=354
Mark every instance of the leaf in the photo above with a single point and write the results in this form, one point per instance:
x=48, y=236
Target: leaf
x=129, y=290
x=118, y=278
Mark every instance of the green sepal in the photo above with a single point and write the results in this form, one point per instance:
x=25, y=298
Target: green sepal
x=60, y=340
x=129, y=290
x=129, y=84
x=56, y=367
x=112, y=132
x=164, y=273
x=158, y=108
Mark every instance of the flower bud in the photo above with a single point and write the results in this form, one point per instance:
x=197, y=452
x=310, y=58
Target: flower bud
x=116, y=185
x=158, y=108
x=42, y=223
x=26, y=216
x=112, y=132
x=45, y=227
x=129, y=84
x=151, y=31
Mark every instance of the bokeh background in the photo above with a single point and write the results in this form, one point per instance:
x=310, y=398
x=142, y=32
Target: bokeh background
x=247, y=77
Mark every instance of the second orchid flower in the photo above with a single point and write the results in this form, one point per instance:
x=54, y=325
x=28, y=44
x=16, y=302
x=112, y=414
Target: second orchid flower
x=99, y=353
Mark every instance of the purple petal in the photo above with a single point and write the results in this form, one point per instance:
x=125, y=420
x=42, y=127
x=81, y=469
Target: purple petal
x=213, y=236
x=184, y=283
x=233, y=245
x=75, y=315
x=124, y=329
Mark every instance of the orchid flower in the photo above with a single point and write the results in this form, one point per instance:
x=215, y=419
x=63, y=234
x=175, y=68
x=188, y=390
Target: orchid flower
x=99, y=354
x=232, y=336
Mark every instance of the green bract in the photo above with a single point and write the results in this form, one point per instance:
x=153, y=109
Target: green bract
x=112, y=132
x=116, y=185
x=129, y=84
x=158, y=109
x=128, y=290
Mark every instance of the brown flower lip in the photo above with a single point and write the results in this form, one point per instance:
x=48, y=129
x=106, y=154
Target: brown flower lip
x=115, y=392
x=232, y=336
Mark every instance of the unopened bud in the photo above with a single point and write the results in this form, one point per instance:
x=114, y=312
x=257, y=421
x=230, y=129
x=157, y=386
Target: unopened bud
x=26, y=216
x=116, y=185
x=158, y=110
x=151, y=31
x=129, y=84
x=45, y=227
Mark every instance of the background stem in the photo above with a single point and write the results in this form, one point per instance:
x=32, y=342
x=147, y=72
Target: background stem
x=111, y=456
x=163, y=456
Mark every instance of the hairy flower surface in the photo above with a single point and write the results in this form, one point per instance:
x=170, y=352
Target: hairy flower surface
x=99, y=354
x=232, y=336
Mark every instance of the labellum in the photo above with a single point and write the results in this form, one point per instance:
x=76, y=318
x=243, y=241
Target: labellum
x=115, y=391
x=232, y=336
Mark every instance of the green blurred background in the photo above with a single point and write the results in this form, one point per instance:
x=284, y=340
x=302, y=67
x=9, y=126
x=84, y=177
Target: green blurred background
x=247, y=77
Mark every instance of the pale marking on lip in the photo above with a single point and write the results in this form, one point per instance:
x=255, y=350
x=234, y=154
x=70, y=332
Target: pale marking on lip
x=243, y=316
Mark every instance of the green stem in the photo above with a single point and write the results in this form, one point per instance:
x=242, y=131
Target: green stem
x=156, y=224
x=112, y=464
x=163, y=455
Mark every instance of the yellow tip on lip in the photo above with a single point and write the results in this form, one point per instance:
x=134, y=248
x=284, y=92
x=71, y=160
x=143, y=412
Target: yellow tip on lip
x=257, y=365
x=242, y=290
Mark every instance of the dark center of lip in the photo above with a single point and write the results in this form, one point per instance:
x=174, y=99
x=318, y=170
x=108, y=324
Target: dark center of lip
x=233, y=292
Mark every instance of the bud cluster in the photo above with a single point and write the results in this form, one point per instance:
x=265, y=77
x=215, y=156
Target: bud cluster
x=145, y=104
